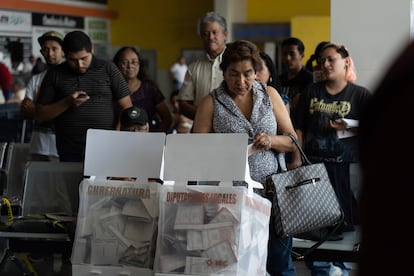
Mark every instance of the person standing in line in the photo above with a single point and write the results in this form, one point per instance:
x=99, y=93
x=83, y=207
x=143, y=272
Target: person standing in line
x=145, y=93
x=178, y=71
x=268, y=75
x=181, y=124
x=134, y=119
x=243, y=105
x=78, y=94
x=6, y=81
x=204, y=74
x=28, y=65
x=43, y=139
x=326, y=124
x=316, y=68
x=295, y=77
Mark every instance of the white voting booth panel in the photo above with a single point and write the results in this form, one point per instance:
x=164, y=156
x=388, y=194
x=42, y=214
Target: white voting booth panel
x=119, y=153
x=206, y=157
x=217, y=229
x=117, y=221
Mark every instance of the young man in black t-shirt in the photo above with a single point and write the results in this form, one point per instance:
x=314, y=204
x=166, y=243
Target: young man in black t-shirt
x=78, y=95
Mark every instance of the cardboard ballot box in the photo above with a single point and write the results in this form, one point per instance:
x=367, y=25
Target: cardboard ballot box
x=211, y=222
x=119, y=206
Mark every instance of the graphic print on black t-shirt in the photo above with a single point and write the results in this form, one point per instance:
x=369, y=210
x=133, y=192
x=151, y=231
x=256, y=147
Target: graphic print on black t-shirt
x=321, y=142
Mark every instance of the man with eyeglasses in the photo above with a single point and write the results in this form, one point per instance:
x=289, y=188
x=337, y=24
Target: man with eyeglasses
x=78, y=94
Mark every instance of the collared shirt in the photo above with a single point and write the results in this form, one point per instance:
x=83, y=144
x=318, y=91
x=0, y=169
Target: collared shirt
x=103, y=83
x=202, y=77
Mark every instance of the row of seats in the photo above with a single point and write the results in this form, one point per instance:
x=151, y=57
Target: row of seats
x=13, y=158
x=35, y=187
x=13, y=128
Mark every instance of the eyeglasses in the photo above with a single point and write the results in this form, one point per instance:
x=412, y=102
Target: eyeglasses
x=127, y=63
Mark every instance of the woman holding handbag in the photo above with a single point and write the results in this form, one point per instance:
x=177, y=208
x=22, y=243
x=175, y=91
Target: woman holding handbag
x=243, y=105
x=326, y=125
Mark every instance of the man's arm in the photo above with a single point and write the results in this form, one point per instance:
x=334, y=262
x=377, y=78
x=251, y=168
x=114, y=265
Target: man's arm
x=165, y=116
x=187, y=109
x=27, y=109
x=48, y=112
x=27, y=106
x=186, y=97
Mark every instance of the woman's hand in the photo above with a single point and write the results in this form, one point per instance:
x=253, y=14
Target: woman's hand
x=338, y=124
x=262, y=141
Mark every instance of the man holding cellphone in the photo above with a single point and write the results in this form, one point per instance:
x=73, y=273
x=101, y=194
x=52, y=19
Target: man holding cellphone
x=78, y=94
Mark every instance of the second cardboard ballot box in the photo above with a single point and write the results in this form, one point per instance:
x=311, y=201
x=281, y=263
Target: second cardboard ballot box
x=119, y=209
x=211, y=222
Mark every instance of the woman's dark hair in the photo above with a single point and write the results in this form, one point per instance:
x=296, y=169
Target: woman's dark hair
x=142, y=75
x=241, y=50
x=273, y=80
x=315, y=55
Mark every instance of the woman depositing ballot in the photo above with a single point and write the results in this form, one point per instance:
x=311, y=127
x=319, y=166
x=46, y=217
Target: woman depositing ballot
x=242, y=105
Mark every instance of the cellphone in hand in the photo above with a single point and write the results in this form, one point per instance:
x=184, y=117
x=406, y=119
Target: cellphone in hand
x=83, y=95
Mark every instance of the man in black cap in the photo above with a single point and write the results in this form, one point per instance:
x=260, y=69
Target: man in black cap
x=134, y=119
x=42, y=139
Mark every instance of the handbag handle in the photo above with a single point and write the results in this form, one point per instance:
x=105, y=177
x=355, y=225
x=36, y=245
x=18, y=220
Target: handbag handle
x=300, y=256
x=302, y=153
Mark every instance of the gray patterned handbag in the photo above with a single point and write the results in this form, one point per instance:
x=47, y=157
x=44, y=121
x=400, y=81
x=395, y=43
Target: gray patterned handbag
x=303, y=199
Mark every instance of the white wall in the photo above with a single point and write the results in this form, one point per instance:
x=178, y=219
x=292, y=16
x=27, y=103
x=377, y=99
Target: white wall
x=233, y=10
x=374, y=31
